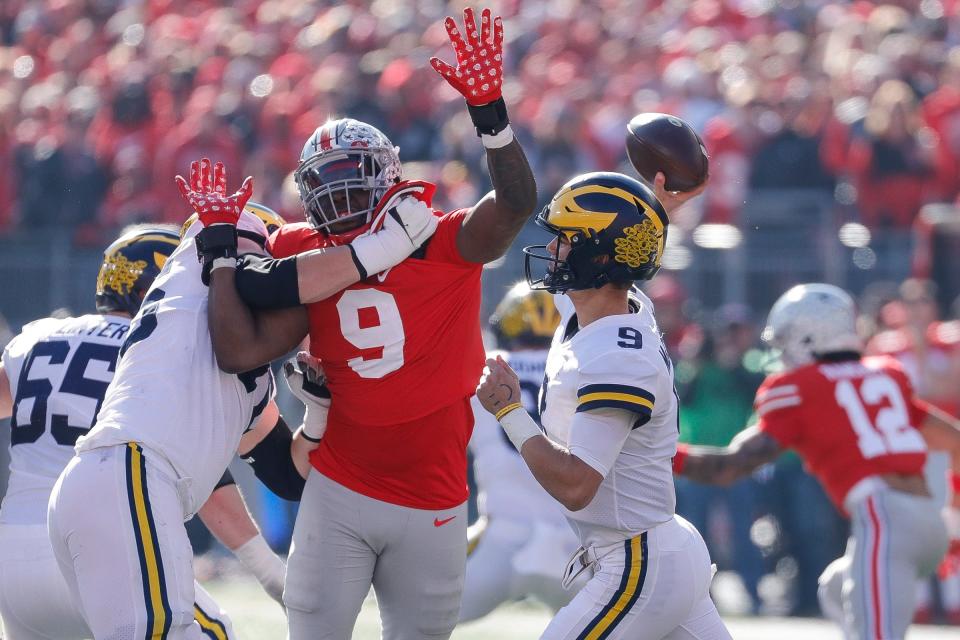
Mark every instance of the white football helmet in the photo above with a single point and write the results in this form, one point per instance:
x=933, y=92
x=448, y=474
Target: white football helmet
x=345, y=168
x=809, y=320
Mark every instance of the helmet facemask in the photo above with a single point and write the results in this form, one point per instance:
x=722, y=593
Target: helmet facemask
x=340, y=190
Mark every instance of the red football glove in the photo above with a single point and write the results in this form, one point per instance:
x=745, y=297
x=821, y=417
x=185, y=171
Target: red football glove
x=207, y=193
x=479, y=72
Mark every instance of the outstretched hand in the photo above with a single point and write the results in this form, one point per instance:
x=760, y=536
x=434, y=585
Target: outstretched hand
x=206, y=193
x=478, y=75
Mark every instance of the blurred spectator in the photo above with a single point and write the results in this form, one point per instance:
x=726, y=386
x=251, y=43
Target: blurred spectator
x=895, y=165
x=716, y=395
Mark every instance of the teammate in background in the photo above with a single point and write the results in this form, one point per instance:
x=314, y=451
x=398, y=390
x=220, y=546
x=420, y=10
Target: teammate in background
x=522, y=540
x=170, y=423
x=402, y=352
x=53, y=377
x=861, y=430
x=609, y=411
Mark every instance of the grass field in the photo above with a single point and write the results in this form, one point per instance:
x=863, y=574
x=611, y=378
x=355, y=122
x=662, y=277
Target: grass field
x=256, y=617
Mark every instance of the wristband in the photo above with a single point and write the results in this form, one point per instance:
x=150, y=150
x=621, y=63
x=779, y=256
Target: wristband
x=519, y=426
x=491, y=118
x=315, y=422
x=679, y=460
x=219, y=263
x=507, y=409
x=498, y=140
x=954, y=482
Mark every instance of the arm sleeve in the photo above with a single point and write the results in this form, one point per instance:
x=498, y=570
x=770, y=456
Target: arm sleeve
x=268, y=283
x=597, y=436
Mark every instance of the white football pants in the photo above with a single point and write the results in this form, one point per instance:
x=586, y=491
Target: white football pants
x=115, y=521
x=344, y=542
x=895, y=538
x=651, y=587
x=514, y=559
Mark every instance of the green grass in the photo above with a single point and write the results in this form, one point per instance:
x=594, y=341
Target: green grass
x=256, y=617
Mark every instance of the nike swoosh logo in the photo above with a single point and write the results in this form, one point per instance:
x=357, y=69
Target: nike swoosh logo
x=383, y=275
x=437, y=522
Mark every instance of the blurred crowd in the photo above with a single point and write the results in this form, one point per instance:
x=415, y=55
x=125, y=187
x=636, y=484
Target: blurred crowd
x=778, y=527
x=102, y=102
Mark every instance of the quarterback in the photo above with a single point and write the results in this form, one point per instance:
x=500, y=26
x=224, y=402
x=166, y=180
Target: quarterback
x=53, y=378
x=521, y=541
x=609, y=415
x=864, y=434
x=385, y=503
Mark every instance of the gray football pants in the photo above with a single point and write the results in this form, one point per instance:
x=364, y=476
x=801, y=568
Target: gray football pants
x=895, y=539
x=345, y=542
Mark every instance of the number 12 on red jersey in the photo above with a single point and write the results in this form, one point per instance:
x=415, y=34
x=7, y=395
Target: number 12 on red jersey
x=891, y=432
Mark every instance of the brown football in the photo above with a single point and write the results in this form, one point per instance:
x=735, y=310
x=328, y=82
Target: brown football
x=661, y=142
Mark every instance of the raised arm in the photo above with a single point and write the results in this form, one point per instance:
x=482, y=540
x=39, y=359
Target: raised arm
x=725, y=465
x=493, y=223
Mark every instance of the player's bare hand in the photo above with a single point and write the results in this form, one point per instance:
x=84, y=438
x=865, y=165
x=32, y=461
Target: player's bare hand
x=672, y=200
x=499, y=386
x=206, y=193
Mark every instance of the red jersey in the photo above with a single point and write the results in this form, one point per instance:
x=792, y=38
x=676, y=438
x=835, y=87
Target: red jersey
x=402, y=352
x=847, y=420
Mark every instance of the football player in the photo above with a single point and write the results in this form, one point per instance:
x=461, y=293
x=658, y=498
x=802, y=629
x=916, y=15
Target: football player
x=610, y=422
x=522, y=539
x=864, y=434
x=53, y=377
x=169, y=424
x=385, y=504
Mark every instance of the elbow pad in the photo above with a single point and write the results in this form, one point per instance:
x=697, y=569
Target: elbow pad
x=268, y=283
x=273, y=464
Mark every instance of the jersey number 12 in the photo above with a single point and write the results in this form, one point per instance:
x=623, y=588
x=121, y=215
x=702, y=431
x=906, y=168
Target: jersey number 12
x=891, y=432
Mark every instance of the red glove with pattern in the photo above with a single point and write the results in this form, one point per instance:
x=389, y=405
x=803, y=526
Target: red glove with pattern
x=207, y=193
x=479, y=72
x=478, y=75
x=219, y=213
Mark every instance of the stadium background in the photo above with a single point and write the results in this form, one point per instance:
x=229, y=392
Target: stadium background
x=833, y=130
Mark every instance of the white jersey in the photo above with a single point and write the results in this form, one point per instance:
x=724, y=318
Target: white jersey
x=620, y=362
x=59, y=369
x=169, y=394
x=507, y=488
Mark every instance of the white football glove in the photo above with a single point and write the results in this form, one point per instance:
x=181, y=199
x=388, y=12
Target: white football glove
x=306, y=381
x=406, y=226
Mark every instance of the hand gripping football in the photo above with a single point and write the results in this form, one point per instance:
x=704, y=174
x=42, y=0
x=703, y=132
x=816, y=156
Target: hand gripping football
x=658, y=142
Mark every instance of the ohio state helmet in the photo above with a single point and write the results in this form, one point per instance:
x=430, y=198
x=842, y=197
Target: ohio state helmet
x=810, y=320
x=345, y=168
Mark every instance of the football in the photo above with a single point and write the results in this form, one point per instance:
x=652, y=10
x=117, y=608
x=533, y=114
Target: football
x=660, y=142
